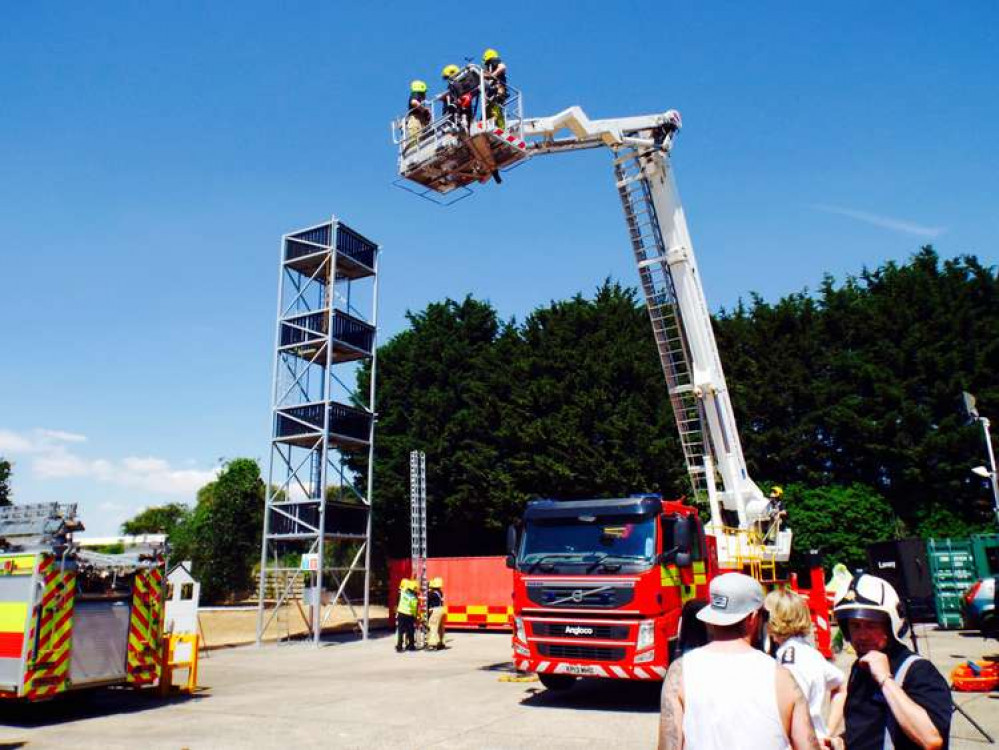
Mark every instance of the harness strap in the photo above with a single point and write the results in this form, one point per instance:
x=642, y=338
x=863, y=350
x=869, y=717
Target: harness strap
x=899, y=677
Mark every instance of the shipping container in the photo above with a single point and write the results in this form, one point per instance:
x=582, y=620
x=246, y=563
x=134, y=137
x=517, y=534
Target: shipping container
x=986, y=547
x=477, y=590
x=953, y=570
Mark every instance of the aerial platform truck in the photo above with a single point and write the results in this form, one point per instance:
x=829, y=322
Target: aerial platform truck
x=608, y=587
x=72, y=618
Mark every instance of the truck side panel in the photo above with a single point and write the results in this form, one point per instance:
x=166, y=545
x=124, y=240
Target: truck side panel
x=16, y=586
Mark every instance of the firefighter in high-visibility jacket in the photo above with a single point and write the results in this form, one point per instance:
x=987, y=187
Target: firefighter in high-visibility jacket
x=405, y=615
x=435, y=605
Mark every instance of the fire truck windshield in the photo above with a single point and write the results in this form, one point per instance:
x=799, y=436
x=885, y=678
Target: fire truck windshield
x=588, y=541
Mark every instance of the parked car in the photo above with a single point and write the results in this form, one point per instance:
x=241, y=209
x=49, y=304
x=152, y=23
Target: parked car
x=978, y=606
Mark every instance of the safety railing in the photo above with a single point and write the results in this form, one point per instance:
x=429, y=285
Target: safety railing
x=444, y=129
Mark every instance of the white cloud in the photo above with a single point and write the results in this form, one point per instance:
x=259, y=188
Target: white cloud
x=51, y=458
x=12, y=443
x=59, y=435
x=885, y=222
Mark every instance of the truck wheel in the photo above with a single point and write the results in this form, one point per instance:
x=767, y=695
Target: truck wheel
x=990, y=626
x=557, y=681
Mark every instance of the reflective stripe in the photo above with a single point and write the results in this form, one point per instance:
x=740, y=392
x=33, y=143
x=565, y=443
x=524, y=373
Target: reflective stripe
x=11, y=645
x=146, y=627
x=13, y=616
x=47, y=670
x=639, y=672
x=899, y=678
x=542, y=666
x=17, y=565
x=619, y=672
x=670, y=575
x=661, y=671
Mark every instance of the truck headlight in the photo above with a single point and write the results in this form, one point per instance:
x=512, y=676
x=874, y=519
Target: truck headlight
x=520, y=632
x=522, y=651
x=646, y=635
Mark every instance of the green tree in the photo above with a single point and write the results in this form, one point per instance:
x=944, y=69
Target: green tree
x=161, y=519
x=860, y=383
x=5, y=472
x=569, y=404
x=837, y=521
x=222, y=534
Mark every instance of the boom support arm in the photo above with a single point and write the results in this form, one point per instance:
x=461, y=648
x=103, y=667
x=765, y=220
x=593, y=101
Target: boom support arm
x=643, y=131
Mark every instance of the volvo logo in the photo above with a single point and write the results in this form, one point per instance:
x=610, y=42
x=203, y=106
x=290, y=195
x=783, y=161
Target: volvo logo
x=577, y=596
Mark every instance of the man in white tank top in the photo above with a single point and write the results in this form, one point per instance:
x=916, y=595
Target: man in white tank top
x=728, y=695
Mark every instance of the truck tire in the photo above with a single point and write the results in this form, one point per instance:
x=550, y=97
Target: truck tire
x=557, y=681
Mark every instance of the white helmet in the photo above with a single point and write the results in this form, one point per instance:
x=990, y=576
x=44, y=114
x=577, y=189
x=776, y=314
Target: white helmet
x=870, y=598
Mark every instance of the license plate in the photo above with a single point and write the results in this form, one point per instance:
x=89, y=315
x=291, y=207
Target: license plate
x=578, y=669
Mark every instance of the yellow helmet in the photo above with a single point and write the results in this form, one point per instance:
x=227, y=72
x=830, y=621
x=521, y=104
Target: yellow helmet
x=777, y=492
x=413, y=585
x=489, y=54
x=403, y=584
x=437, y=583
x=450, y=71
x=418, y=87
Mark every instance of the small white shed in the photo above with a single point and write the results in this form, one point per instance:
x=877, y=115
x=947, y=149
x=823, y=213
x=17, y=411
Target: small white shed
x=183, y=595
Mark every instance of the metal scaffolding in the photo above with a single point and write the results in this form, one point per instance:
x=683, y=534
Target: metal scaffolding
x=317, y=519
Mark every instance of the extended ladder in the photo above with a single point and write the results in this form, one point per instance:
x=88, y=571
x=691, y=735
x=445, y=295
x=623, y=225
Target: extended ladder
x=661, y=302
x=418, y=528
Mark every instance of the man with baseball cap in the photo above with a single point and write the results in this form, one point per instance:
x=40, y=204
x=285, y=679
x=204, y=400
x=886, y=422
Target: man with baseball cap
x=728, y=694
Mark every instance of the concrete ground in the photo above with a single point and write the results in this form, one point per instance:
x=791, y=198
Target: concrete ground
x=350, y=694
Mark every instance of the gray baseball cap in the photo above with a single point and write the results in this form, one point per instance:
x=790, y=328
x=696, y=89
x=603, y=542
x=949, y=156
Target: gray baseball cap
x=734, y=597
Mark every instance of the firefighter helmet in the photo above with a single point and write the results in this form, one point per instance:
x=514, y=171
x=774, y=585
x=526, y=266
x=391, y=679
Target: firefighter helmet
x=870, y=598
x=450, y=71
x=418, y=87
x=489, y=54
x=437, y=583
x=777, y=492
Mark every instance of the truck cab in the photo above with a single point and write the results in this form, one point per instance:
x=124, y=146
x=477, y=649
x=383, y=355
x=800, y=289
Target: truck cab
x=600, y=586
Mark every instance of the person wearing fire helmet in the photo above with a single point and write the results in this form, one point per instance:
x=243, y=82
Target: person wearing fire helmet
x=895, y=698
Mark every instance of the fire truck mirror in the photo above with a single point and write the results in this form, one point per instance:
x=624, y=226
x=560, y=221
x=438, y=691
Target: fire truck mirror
x=511, y=541
x=683, y=534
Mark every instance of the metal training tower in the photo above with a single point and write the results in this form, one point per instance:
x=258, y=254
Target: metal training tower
x=317, y=518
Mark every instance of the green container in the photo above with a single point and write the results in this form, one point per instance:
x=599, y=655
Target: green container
x=986, y=548
x=953, y=570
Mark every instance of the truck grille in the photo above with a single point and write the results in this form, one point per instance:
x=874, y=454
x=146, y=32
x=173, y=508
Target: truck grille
x=570, y=630
x=586, y=597
x=593, y=653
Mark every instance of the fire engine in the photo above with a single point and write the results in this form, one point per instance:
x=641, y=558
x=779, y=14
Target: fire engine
x=601, y=586
x=73, y=618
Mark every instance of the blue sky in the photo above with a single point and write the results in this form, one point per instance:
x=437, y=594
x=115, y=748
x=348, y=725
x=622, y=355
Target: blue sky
x=152, y=154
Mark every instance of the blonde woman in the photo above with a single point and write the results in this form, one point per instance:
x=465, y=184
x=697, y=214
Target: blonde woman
x=790, y=626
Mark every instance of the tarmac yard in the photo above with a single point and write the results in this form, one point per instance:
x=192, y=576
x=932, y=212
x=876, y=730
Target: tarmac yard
x=350, y=694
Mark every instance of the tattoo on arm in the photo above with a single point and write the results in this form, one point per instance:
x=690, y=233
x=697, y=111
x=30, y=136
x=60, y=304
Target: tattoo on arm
x=671, y=717
x=802, y=731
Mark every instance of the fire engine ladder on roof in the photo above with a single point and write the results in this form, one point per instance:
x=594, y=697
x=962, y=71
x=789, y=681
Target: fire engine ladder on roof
x=661, y=302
